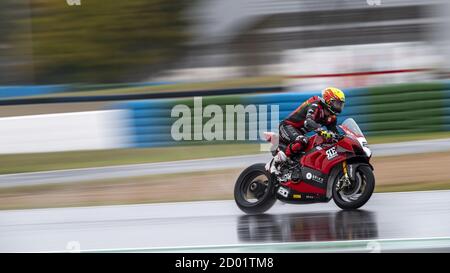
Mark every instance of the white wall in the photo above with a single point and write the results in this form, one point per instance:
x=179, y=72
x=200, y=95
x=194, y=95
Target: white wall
x=359, y=58
x=63, y=132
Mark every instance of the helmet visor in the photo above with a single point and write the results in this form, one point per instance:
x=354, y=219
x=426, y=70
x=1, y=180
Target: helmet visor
x=337, y=106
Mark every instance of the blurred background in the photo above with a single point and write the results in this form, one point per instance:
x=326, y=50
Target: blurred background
x=91, y=83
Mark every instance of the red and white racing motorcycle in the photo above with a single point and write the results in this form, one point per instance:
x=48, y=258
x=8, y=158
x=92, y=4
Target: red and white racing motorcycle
x=338, y=170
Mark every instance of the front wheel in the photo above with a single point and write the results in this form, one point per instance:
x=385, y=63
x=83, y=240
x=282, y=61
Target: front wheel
x=254, y=190
x=355, y=194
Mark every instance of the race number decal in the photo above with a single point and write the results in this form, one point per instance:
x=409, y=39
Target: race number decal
x=331, y=153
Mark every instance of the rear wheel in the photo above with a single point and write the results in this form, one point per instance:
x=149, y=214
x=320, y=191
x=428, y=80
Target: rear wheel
x=254, y=190
x=355, y=194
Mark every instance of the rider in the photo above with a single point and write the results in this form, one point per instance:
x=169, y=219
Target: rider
x=311, y=115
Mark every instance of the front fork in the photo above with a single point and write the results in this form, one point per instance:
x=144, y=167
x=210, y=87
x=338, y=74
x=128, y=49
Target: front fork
x=344, y=181
x=344, y=168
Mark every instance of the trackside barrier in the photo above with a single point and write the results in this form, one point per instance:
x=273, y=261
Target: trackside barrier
x=385, y=110
x=91, y=130
x=16, y=91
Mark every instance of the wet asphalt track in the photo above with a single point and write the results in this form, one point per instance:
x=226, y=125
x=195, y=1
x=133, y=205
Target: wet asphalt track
x=153, y=227
x=89, y=174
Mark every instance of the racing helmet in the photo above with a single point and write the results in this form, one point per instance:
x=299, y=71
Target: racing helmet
x=334, y=99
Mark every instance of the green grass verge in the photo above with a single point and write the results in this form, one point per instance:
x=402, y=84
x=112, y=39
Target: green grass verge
x=408, y=137
x=17, y=163
x=233, y=83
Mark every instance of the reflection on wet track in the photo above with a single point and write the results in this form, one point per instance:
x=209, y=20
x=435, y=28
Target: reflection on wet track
x=306, y=227
x=391, y=216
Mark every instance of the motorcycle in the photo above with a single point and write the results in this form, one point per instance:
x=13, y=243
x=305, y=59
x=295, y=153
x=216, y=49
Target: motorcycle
x=339, y=169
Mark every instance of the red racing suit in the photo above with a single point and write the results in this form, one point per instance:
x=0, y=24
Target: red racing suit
x=309, y=116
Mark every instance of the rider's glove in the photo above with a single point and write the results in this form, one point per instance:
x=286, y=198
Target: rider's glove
x=301, y=139
x=327, y=135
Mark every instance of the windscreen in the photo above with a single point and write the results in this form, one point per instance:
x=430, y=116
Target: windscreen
x=351, y=125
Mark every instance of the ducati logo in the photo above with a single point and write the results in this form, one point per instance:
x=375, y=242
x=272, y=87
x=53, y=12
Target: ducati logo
x=331, y=153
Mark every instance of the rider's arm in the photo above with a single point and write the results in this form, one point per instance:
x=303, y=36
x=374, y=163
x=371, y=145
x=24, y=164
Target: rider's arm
x=333, y=126
x=311, y=115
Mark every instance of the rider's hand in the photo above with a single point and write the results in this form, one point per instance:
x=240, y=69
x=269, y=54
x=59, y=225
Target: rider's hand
x=327, y=135
x=301, y=139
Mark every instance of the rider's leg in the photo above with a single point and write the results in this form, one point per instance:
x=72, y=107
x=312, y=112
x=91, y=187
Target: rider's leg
x=297, y=141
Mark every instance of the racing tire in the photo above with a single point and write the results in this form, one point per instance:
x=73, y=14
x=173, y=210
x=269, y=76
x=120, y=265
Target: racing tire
x=369, y=178
x=266, y=200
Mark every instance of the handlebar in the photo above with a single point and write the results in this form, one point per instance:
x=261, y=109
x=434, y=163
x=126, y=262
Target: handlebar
x=330, y=135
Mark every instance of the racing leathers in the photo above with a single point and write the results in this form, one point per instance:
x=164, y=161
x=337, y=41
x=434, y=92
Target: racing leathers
x=309, y=116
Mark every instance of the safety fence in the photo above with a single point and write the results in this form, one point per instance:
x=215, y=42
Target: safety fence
x=22, y=94
x=386, y=110
x=7, y=92
x=27, y=96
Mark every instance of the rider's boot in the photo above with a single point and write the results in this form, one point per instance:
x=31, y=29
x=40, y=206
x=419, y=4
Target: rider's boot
x=279, y=158
x=289, y=154
x=296, y=174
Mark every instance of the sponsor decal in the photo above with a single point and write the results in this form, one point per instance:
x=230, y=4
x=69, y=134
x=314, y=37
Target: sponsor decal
x=331, y=153
x=297, y=196
x=314, y=177
x=283, y=192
